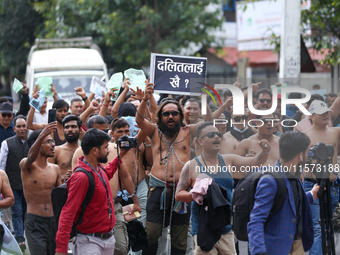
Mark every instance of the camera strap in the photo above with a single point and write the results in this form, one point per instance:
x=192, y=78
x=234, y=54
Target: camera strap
x=119, y=176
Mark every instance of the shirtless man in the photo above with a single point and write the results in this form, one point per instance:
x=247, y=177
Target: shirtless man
x=64, y=153
x=210, y=141
x=321, y=132
x=170, y=141
x=250, y=145
x=38, y=179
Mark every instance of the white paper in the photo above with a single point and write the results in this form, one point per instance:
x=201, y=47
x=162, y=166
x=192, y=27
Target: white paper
x=97, y=87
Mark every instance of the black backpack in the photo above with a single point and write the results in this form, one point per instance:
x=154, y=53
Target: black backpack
x=59, y=197
x=244, y=198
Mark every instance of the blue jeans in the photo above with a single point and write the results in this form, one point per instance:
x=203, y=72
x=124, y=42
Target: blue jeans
x=18, y=214
x=317, y=246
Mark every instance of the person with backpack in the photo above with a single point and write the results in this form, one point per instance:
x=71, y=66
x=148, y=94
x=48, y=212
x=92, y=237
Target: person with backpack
x=221, y=168
x=290, y=230
x=94, y=232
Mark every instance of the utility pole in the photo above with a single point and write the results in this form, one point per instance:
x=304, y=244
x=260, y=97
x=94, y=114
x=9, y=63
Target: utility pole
x=290, y=54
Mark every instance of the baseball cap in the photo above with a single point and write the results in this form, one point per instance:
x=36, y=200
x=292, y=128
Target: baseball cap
x=6, y=108
x=318, y=107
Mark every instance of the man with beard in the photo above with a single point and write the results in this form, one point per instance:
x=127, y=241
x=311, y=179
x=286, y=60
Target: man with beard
x=95, y=232
x=38, y=179
x=64, y=153
x=250, y=145
x=61, y=111
x=170, y=143
x=289, y=230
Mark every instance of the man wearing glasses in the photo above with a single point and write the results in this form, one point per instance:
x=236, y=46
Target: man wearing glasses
x=264, y=99
x=38, y=180
x=250, y=145
x=6, y=125
x=215, y=166
x=171, y=147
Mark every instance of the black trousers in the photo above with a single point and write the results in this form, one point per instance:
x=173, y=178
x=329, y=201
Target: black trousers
x=154, y=222
x=40, y=233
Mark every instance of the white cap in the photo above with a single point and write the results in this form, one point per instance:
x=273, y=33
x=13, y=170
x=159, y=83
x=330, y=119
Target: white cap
x=319, y=107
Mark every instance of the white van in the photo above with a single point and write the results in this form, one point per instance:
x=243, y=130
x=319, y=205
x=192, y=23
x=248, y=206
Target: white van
x=70, y=62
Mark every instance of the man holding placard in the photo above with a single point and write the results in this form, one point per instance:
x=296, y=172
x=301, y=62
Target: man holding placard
x=170, y=143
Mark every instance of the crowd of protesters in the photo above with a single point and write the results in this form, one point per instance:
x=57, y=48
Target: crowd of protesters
x=158, y=174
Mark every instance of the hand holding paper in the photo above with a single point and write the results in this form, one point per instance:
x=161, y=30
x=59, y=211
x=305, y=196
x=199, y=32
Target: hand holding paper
x=137, y=78
x=115, y=82
x=17, y=86
x=38, y=99
x=46, y=83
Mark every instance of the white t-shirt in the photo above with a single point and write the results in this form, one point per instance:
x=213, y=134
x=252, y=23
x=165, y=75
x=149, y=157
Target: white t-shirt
x=40, y=118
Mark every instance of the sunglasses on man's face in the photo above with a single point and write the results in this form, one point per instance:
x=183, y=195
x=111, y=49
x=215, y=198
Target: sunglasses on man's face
x=212, y=134
x=238, y=118
x=262, y=100
x=4, y=115
x=173, y=113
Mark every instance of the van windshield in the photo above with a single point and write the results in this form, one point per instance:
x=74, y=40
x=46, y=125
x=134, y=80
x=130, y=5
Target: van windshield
x=65, y=84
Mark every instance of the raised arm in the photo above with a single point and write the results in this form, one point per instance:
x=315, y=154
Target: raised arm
x=107, y=100
x=184, y=183
x=121, y=98
x=93, y=107
x=24, y=102
x=30, y=124
x=144, y=124
x=7, y=193
x=81, y=92
x=55, y=93
x=153, y=107
x=34, y=150
x=225, y=106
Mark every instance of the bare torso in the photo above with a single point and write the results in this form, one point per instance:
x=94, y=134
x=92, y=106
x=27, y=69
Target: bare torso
x=181, y=146
x=63, y=157
x=252, y=144
x=228, y=144
x=328, y=136
x=38, y=183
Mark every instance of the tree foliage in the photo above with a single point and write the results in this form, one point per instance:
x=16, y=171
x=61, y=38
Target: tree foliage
x=18, y=24
x=324, y=20
x=129, y=30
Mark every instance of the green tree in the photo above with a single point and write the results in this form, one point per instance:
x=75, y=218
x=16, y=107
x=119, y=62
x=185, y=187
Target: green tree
x=129, y=30
x=18, y=23
x=324, y=20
